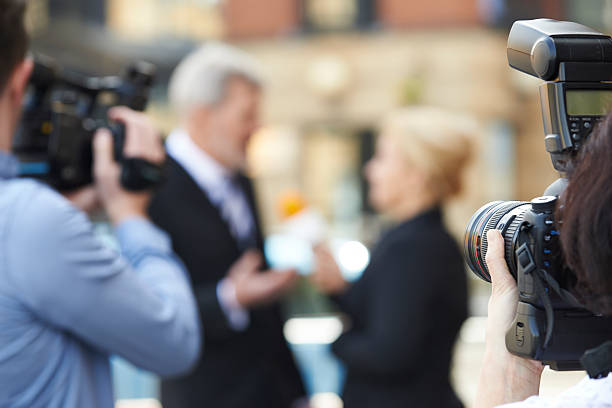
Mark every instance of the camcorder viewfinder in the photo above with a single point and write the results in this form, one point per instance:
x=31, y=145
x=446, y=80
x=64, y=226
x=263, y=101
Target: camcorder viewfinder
x=551, y=325
x=61, y=112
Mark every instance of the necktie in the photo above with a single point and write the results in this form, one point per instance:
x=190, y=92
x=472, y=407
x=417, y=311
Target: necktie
x=235, y=210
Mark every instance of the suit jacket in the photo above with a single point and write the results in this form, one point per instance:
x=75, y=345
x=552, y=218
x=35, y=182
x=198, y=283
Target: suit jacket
x=406, y=311
x=250, y=368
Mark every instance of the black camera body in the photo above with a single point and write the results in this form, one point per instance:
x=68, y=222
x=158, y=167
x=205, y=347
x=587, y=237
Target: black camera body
x=62, y=111
x=550, y=325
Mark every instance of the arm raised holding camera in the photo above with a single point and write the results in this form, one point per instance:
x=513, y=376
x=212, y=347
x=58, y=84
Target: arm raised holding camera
x=68, y=302
x=138, y=306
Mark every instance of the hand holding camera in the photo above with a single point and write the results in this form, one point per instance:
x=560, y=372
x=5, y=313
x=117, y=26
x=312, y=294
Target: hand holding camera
x=142, y=142
x=550, y=324
x=62, y=112
x=501, y=313
x=55, y=142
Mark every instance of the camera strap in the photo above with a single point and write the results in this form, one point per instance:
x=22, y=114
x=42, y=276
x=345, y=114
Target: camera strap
x=527, y=266
x=598, y=361
x=542, y=282
x=563, y=294
x=548, y=308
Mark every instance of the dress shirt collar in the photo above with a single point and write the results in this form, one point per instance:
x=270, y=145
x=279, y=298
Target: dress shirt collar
x=208, y=173
x=9, y=166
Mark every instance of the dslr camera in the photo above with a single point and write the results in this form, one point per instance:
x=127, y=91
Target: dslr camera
x=550, y=325
x=61, y=112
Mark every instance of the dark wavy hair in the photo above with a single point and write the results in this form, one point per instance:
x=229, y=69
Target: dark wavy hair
x=13, y=37
x=586, y=236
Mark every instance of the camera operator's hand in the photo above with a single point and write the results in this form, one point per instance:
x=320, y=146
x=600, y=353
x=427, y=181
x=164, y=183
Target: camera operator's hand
x=254, y=288
x=504, y=295
x=504, y=377
x=326, y=275
x=141, y=140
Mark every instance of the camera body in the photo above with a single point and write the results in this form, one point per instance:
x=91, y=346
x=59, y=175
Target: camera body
x=550, y=325
x=62, y=111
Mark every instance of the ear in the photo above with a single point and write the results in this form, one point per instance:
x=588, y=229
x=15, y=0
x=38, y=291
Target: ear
x=19, y=80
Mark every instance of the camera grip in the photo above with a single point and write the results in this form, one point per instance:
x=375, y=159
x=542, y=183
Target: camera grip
x=139, y=174
x=136, y=174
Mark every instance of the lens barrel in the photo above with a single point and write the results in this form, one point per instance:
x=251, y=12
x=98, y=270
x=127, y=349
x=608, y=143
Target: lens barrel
x=506, y=216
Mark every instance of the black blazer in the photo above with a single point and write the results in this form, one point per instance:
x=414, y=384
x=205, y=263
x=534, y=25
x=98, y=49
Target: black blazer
x=406, y=311
x=252, y=368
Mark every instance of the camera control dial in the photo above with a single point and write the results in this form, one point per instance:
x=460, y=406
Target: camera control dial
x=544, y=204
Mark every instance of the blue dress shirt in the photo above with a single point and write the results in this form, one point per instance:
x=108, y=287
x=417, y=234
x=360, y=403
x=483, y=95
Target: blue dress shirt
x=67, y=302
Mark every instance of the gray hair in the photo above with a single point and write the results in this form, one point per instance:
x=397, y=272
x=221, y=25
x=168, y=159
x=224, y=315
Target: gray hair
x=200, y=78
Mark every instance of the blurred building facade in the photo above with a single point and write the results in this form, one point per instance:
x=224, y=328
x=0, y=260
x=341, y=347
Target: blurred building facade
x=333, y=69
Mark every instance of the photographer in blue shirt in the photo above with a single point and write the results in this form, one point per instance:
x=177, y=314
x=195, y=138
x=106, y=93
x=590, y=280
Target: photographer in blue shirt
x=66, y=301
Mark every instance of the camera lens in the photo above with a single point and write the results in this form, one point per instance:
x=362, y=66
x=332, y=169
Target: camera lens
x=506, y=216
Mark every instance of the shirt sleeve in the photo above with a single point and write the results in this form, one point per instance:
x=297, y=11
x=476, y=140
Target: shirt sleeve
x=138, y=305
x=237, y=316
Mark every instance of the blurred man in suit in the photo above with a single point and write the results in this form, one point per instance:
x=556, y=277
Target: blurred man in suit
x=208, y=208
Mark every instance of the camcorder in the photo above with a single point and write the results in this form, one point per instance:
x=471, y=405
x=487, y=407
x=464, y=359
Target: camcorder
x=62, y=111
x=551, y=325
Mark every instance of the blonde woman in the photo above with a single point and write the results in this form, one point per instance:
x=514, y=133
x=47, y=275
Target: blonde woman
x=408, y=306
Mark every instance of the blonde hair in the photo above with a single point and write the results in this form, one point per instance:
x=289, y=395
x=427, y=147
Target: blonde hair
x=438, y=142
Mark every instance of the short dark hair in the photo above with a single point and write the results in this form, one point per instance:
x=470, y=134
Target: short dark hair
x=586, y=233
x=13, y=37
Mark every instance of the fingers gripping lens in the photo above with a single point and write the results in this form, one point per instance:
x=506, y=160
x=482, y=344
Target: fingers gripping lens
x=505, y=216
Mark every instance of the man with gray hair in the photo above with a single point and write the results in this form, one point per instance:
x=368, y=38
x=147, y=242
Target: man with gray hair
x=208, y=208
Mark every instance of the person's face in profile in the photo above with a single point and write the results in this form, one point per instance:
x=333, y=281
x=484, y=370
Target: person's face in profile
x=233, y=121
x=393, y=182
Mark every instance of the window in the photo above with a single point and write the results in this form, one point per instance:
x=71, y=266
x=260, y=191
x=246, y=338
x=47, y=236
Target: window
x=337, y=15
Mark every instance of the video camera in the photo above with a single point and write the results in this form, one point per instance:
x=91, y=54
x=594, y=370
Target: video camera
x=61, y=112
x=551, y=325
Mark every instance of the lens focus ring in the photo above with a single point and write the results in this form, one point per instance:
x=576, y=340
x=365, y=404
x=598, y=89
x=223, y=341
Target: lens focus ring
x=488, y=217
x=492, y=223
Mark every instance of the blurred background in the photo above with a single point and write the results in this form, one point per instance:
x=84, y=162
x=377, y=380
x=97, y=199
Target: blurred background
x=332, y=69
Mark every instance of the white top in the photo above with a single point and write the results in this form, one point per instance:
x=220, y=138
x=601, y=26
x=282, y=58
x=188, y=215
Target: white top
x=216, y=182
x=588, y=393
